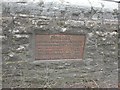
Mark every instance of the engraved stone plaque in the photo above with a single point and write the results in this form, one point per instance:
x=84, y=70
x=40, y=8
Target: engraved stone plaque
x=58, y=47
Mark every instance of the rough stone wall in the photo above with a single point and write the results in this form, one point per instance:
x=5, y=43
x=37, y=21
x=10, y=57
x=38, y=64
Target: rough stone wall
x=98, y=69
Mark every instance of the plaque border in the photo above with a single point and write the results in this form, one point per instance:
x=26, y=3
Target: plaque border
x=33, y=52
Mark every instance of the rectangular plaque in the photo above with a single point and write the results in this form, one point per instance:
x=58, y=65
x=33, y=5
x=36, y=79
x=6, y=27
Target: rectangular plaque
x=58, y=47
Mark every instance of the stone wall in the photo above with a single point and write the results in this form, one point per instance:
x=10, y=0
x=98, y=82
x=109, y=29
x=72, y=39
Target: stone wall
x=98, y=69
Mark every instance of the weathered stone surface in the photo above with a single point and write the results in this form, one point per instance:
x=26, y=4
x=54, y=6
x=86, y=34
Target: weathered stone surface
x=98, y=69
